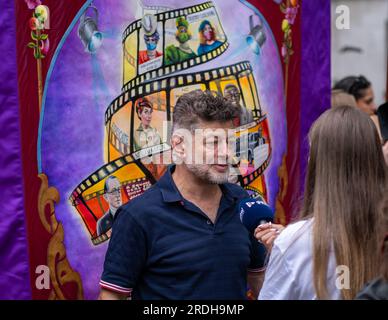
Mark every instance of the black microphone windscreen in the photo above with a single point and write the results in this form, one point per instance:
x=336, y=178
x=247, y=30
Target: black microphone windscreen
x=254, y=212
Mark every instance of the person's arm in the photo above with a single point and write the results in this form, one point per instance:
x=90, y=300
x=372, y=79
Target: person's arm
x=256, y=268
x=111, y=295
x=279, y=280
x=125, y=258
x=255, y=281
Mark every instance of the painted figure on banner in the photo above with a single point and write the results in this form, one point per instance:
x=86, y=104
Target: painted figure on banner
x=151, y=39
x=232, y=93
x=183, y=52
x=208, y=38
x=112, y=195
x=145, y=135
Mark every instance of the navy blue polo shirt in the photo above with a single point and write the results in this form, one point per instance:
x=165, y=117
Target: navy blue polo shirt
x=165, y=247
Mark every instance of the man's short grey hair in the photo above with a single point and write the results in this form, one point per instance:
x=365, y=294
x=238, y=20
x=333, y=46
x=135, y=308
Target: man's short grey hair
x=202, y=105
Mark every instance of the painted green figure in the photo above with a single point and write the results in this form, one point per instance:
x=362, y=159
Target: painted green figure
x=183, y=52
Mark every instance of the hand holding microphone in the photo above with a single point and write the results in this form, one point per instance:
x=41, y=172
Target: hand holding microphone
x=257, y=217
x=267, y=233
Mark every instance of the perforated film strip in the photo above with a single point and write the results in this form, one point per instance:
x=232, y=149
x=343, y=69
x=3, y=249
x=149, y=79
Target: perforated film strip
x=166, y=70
x=248, y=179
x=80, y=201
x=255, y=192
x=154, y=8
x=98, y=176
x=176, y=81
x=179, y=81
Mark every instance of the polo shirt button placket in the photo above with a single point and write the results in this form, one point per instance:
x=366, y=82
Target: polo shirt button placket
x=211, y=226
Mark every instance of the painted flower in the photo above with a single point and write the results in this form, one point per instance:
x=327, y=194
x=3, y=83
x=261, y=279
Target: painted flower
x=31, y=4
x=44, y=46
x=291, y=13
x=34, y=23
x=41, y=13
x=284, y=50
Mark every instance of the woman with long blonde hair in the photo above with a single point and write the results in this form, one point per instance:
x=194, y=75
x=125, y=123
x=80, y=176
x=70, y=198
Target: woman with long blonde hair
x=331, y=252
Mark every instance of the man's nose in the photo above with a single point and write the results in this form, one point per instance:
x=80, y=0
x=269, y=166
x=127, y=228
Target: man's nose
x=224, y=150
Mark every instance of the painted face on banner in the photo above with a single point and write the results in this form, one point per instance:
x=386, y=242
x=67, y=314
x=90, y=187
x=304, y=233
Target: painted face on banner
x=208, y=33
x=113, y=194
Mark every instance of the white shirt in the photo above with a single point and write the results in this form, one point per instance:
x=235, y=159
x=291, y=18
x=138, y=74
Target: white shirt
x=289, y=274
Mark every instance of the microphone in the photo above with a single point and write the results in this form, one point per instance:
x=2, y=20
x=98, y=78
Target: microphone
x=254, y=213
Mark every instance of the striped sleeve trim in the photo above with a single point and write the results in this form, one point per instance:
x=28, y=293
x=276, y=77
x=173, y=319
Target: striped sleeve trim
x=115, y=288
x=257, y=270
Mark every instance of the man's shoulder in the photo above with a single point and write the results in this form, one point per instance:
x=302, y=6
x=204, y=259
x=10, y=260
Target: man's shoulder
x=138, y=205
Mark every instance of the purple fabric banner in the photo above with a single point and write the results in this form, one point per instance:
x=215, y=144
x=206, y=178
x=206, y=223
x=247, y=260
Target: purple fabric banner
x=315, y=71
x=14, y=263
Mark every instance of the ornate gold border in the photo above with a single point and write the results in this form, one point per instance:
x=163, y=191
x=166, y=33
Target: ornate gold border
x=61, y=272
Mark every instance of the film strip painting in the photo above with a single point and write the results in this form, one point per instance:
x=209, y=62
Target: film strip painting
x=237, y=71
x=109, y=187
x=132, y=167
x=168, y=42
x=120, y=181
x=256, y=193
x=259, y=141
x=249, y=179
x=121, y=116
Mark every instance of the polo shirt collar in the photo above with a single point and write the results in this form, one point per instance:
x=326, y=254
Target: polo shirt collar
x=228, y=192
x=170, y=192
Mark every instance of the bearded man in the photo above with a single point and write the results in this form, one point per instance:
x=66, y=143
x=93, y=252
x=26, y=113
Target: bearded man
x=183, y=238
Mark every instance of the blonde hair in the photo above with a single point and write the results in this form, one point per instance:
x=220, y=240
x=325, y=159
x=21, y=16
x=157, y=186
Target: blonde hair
x=345, y=180
x=341, y=98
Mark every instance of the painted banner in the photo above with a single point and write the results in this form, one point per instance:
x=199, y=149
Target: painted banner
x=90, y=88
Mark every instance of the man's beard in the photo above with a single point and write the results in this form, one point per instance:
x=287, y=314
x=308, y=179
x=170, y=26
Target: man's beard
x=205, y=173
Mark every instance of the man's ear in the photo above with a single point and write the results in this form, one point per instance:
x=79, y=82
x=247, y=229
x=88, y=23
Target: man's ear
x=105, y=197
x=177, y=144
x=178, y=149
